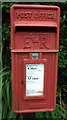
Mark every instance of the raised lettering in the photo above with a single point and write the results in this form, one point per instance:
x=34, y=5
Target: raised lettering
x=43, y=43
x=26, y=42
x=36, y=15
x=22, y=15
x=17, y=14
x=35, y=39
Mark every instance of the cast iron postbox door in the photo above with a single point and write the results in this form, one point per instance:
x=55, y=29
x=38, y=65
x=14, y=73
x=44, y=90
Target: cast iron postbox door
x=34, y=48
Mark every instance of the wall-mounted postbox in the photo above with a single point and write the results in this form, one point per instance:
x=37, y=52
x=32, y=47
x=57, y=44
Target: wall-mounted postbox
x=34, y=48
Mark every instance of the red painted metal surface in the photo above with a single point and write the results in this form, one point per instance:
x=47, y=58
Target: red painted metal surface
x=34, y=29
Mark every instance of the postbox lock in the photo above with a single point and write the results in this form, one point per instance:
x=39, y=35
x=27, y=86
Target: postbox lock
x=22, y=82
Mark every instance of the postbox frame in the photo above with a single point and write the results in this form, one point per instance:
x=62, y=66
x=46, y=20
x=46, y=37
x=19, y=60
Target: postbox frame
x=16, y=83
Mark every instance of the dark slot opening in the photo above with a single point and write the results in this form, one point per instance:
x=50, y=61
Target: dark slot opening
x=38, y=29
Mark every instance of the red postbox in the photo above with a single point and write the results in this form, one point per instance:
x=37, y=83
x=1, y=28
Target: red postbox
x=34, y=48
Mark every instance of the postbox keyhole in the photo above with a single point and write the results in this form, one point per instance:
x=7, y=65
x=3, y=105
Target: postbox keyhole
x=22, y=82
